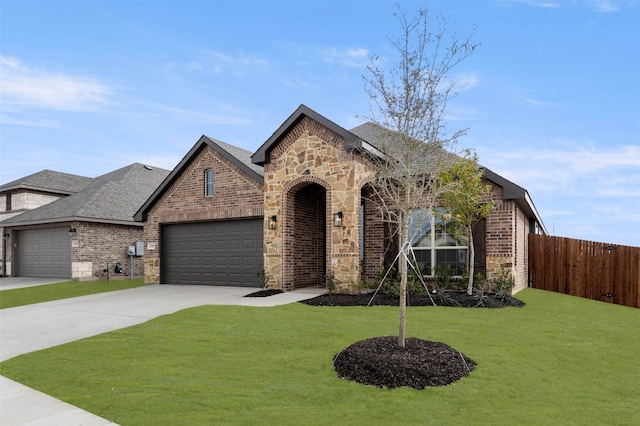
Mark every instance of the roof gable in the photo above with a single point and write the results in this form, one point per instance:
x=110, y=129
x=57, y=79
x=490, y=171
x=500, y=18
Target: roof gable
x=237, y=156
x=261, y=156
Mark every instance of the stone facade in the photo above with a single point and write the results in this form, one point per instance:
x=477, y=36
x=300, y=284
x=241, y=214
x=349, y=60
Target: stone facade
x=236, y=195
x=311, y=177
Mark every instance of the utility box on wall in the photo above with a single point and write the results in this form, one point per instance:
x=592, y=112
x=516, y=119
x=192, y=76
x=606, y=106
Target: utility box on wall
x=139, y=248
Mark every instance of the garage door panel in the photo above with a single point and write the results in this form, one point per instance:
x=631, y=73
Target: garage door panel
x=44, y=253
x=218, y=253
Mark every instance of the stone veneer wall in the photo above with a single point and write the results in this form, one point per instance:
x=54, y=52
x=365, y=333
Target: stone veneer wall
x=312, y=154
x=96, y=244
x=236, y=195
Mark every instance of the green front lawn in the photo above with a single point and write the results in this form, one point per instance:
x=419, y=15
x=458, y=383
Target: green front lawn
x=63, y=290
x=559, y=360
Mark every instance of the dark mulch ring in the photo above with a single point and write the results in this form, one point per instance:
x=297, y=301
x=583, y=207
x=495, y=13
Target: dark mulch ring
x=422, y=363
x=264, y=293
x=458, y=299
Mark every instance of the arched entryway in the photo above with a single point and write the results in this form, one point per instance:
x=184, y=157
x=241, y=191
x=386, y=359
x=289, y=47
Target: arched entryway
x=306, y=245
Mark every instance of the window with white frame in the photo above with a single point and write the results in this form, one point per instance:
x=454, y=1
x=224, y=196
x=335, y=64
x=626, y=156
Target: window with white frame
x=208, y=183
x=435, y=242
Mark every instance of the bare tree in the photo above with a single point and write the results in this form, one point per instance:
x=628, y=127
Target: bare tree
x=408, y=106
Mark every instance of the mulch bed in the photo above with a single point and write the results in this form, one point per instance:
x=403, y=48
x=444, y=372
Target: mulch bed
x=379, y=361
x=458, y=299
x=421, y=363
x=264, y=293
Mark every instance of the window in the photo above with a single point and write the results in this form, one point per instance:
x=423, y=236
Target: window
x=435, y=243
x=208, y=183
x=8, y=205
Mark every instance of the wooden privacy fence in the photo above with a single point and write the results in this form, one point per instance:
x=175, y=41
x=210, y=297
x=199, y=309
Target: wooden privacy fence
x=599, y=271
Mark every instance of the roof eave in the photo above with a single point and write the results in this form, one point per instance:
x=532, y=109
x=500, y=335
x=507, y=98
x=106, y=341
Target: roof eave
x=511, y=191
x=70, y=219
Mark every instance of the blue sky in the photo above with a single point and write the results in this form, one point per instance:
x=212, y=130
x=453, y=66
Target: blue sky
x=551, y=98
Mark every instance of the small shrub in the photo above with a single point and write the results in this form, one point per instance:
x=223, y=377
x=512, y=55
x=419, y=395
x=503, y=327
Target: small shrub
x=443, y=275
x=331, y=282
x=503, y=283
x=263, y=278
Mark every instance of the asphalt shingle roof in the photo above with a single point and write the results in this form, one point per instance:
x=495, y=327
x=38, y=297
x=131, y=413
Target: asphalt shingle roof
x=391, y=144
x=113, y=197
x=49, y=181
x=240, y=154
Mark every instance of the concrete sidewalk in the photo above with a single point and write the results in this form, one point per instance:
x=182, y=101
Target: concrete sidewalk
x=9, y=283
x=29, y=328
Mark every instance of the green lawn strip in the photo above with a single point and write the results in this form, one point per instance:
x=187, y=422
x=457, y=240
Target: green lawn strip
x=559, y=360
x=64, y=290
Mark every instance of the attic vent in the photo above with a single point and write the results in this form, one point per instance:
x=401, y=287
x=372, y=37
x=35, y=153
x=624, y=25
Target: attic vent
x=148, y=167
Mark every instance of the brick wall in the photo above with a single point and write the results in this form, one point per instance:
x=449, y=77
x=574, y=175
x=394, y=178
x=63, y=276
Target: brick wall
x=507, y=230
x=375, y=239
x=309, y=227
x=521, y=251
x=97, y=244
x=236, y=194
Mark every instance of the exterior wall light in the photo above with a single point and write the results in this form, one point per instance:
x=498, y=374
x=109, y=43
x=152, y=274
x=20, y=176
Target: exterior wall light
x=273, y=221
x=71, y=231
x=337, y=220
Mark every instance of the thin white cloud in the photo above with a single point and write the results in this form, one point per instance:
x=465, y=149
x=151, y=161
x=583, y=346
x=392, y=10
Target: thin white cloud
x=4, y=119
x=542, y=4
x=22, y=86
x=577, y=170
x=466, y=81
x=605, y=6
x=240, y=61
x=349, y=57
x=201, y=117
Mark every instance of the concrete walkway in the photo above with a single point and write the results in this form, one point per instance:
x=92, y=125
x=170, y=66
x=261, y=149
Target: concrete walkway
x=29, y=328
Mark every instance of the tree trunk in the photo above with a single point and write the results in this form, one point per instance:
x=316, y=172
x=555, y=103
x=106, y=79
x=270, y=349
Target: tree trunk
x=404, y=235
x=472, y=257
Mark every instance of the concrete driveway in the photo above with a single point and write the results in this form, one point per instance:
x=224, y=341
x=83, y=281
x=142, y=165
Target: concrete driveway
x=29, y=328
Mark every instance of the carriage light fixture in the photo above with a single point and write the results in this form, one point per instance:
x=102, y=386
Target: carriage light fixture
x=71, y=231
x=337, y=219
x=273, y=221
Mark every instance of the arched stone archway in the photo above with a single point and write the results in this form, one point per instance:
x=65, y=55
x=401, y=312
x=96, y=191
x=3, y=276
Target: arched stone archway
x=306, y=246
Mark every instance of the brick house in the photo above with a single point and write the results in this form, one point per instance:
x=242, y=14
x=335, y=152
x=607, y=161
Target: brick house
x=57, y=225
x=297, y=209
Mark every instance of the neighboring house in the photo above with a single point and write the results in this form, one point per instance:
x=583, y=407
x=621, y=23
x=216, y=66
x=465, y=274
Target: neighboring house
x=85, y=226
x=298, y=210
x=31, y=192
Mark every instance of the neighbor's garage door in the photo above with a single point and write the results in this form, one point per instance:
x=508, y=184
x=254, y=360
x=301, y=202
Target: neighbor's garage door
x=44, y=253
x=213, y=253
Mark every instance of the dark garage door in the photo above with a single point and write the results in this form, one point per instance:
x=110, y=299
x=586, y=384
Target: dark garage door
x=44, y=253
x=213, y=253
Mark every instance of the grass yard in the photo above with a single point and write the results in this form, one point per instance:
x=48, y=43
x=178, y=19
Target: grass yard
x=559, y=360
x=64, y=290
